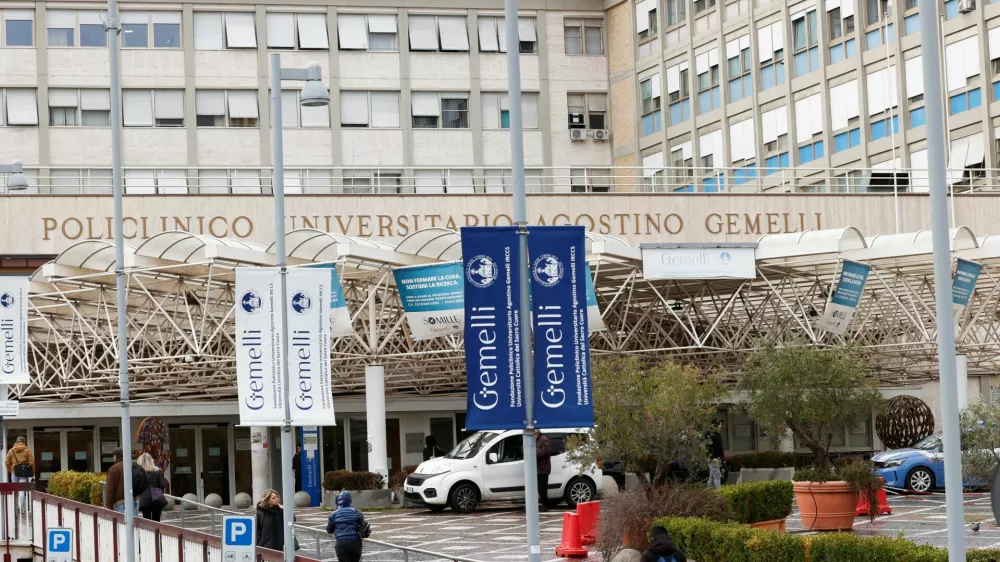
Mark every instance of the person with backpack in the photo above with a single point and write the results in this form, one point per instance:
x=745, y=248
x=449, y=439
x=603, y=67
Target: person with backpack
x=152, y=500
x=21, y=466
x=114, y=497
x=661, y=548
x=348, y=526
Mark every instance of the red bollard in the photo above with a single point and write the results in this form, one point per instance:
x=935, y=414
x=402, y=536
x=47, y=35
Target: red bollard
x=589, y=513
x=571, y=547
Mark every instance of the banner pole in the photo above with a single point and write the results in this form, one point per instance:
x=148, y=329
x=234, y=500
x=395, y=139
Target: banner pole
x=524, y=305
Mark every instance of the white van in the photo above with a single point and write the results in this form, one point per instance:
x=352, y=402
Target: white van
x=489, y=465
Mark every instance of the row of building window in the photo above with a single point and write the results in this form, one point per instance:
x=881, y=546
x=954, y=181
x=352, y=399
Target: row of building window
x=304, y=31
x=239, y=108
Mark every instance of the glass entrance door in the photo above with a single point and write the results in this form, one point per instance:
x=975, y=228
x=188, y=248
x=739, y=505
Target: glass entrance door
x=215, y=462
x=80, y=448
x=48, y=454
x=183, y=462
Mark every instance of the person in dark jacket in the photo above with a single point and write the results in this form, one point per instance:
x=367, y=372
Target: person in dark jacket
x=661, y=548
x=716, y=454
x=270, y=521
x=297, y=467
x=431, y=449
x=151, y=509
x=543, y=450
x=345, y=524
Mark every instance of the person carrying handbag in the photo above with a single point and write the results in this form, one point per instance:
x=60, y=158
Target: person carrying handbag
x=348, y=526
x=152, y=501
x=20, y=465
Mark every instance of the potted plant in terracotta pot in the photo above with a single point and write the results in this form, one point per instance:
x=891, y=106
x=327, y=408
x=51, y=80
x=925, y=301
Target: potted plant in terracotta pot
x=813, y=392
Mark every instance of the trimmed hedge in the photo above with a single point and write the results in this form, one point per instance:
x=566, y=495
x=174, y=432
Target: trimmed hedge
x=701, y=539
x=337, y=480
x=753, y=502
x=83, y=487
x=769, y=459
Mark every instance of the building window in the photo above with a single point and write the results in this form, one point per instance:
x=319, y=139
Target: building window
x=226, y=108
x=17, y=28
x=742, y=147
x=843, y=45
x=151, y=182
x=215, y=31
x=652, y=114
x=847, y=140
x=880, y=128
x=911, y=24
x=702, y=5
x=496, y=111
x=962, y=74
x=87, y=108
x=710, y=147
x=679, y=93
x=681, y=172
x=918, y=118
x=493, y=35
x=771, y=46
x=500, y=180
x=874, y=38
x=951, y=9
x=433, y=110
x=590, y=180
x=20, y=107
x=75, y=182
x=810, y=152
x=645, y=19
x=960, y=103
x=806, y=40
x=443, y=181
x=708, y=81
x=676, y=12
x=304, y=31
x=876, y=11
x=153, y=108
x=60, y=27
x=774, y=129
x=581, y=37
x=364, y=32
x=653, y=174
x=373, y=181
x=439, y=33
x=375, y=110
x=740, y=66
x=587, y=111
x=294, y=114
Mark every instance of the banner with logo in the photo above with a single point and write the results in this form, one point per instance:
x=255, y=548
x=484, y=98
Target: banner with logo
x=661, y=261
x=432, y=297
x=258, y=346
x=964, y=284
x=559, y=273
x=310, y=385
x=595, y=323
x=309, y=474
x=340, y=315
x=14, y=330
x=845, y=299
x=490, y=256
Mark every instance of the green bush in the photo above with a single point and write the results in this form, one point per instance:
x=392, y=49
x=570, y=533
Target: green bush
x=82, y=489
x=836, y=547
x=769, y=459
x=337, y=480
x=60, y=483
x=753, y=502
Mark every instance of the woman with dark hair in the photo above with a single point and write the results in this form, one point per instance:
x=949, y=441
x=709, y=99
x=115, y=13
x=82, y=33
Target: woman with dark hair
x=661, y=548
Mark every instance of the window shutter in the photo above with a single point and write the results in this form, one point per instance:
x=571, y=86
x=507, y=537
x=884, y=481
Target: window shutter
x=312, y=31
x=137, y=108
x=280, y=31
x=353, y=34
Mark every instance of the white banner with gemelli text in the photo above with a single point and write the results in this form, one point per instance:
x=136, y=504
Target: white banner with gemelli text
x=258, y=346
x=14, y=330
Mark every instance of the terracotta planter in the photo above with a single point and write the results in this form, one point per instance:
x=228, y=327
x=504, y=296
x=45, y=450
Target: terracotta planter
x=826, y=506
x=772, y=525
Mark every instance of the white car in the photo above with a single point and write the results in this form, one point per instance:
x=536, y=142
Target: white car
x=489, y=465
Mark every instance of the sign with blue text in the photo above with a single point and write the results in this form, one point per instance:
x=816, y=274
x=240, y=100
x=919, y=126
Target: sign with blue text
x=964, y=284
x=59, y=545
x=310, y=391
x=341, y=317
x=309, y=463
x=14, y=330
x=845, y=299
x=238, y=538
x=258, y=346
x=595, y=323
x=490, y=257
x=559, y=274
x=433, y=299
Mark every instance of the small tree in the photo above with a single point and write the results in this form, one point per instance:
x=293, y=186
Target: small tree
x=649, y=416
x=810, y=391
x=980, y=442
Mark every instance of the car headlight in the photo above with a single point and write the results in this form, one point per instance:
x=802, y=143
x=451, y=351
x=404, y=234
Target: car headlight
x=892, y=463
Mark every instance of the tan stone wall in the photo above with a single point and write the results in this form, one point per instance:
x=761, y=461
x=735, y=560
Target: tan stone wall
x=619, y=20
x=623, y=112
x=626, y=173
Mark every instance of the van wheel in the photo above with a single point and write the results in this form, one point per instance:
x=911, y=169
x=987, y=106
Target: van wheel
x=579, y=490
x=464, y=498
x=435, y=508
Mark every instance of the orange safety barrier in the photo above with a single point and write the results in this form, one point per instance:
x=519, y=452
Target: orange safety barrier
x=571, y=547
x=589, y=514
x=883, y=503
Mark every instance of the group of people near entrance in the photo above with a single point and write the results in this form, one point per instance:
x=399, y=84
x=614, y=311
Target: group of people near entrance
x=346, y=524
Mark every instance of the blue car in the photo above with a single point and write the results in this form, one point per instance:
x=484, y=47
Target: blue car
x=918, y=469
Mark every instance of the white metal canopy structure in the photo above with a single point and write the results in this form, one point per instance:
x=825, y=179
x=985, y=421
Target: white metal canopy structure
x=180, y=310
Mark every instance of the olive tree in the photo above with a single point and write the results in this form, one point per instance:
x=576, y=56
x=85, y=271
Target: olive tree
x=648, y=416
x=980, y=442
x=809, y=390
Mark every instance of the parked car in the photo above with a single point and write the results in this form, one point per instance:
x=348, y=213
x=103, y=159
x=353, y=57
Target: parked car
x=918, y=469
x=489, y=465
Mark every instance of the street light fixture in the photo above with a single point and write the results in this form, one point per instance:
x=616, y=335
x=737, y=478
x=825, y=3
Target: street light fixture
x=314, y=94
x=16, y=181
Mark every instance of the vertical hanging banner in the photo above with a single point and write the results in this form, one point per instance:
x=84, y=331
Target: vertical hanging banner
x=490, y=258
x=964, y=284
x=258, y=346
x=14, y=330
x=844, y=302
x=559, y=280
x=595, y=323
x=341, y=324
x=310, y=385
x=309, y=464
x=433, y=298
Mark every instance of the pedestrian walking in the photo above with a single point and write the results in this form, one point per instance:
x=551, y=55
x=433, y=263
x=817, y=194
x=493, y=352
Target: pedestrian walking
x=153, y=499
x=21, y=466
x=348, y=527
x=297, y=467
x=543, y=450
x=270, y=522
x=661, y=548
x=114, y=497
x=716, y=454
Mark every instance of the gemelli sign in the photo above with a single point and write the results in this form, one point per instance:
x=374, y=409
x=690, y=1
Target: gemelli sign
x=661, y=261
x=14, y=330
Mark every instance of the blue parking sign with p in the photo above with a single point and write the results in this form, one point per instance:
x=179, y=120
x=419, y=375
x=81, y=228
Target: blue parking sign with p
x=238, y=538
x=59, y=545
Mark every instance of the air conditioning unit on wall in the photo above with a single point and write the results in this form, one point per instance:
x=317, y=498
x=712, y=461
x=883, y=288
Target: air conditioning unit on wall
x=577, y=135
x=966, y=6
x=602, y=135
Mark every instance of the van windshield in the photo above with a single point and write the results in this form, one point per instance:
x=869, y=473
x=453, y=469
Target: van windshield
x=472, y=445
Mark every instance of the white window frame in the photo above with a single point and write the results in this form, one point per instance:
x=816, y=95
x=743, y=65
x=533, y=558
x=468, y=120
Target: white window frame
x=498, y=103
x=21, y=15
x=582, y=24
x=494, y=28
x=500, y=180
x=441, y=96
x=590, y=180
x=370, y=120
x=592, y=102
x=363, y=28
x=296, y=116
x=160, y=103
x=227, y=119
x=300, y=21
x=457, y=44
x=151, y=19
x=26, y=118
x=229, y=28
x=155, y=181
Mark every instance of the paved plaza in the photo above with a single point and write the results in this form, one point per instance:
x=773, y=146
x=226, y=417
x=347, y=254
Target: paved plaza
x=496, y=533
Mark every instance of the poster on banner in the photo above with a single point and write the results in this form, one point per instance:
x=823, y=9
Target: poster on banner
x=342, y=325
x=559, y=273
x=14, y=330
x=310, y=390
x=433, y=299
x=492, y=328
x=846, y=297
x=964, y=284
x=595, y=323
x=258, y=346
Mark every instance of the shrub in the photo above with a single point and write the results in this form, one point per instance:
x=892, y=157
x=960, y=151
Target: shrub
x=753, y=502
x=337, y=480
x=82, y=488
x=628, y=517
x=60, y=483
x=769, y=459
x=397, y=481
x=97, y=492
x=843, y=546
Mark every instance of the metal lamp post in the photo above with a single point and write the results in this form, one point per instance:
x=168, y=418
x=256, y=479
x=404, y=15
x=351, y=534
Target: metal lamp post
x=16, y=181
x=314, y=94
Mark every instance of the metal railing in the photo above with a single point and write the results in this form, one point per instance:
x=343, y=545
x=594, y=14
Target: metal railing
x=465, y=181
x=316, y=541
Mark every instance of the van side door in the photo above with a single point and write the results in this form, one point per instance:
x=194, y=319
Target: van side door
x=503, y=470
